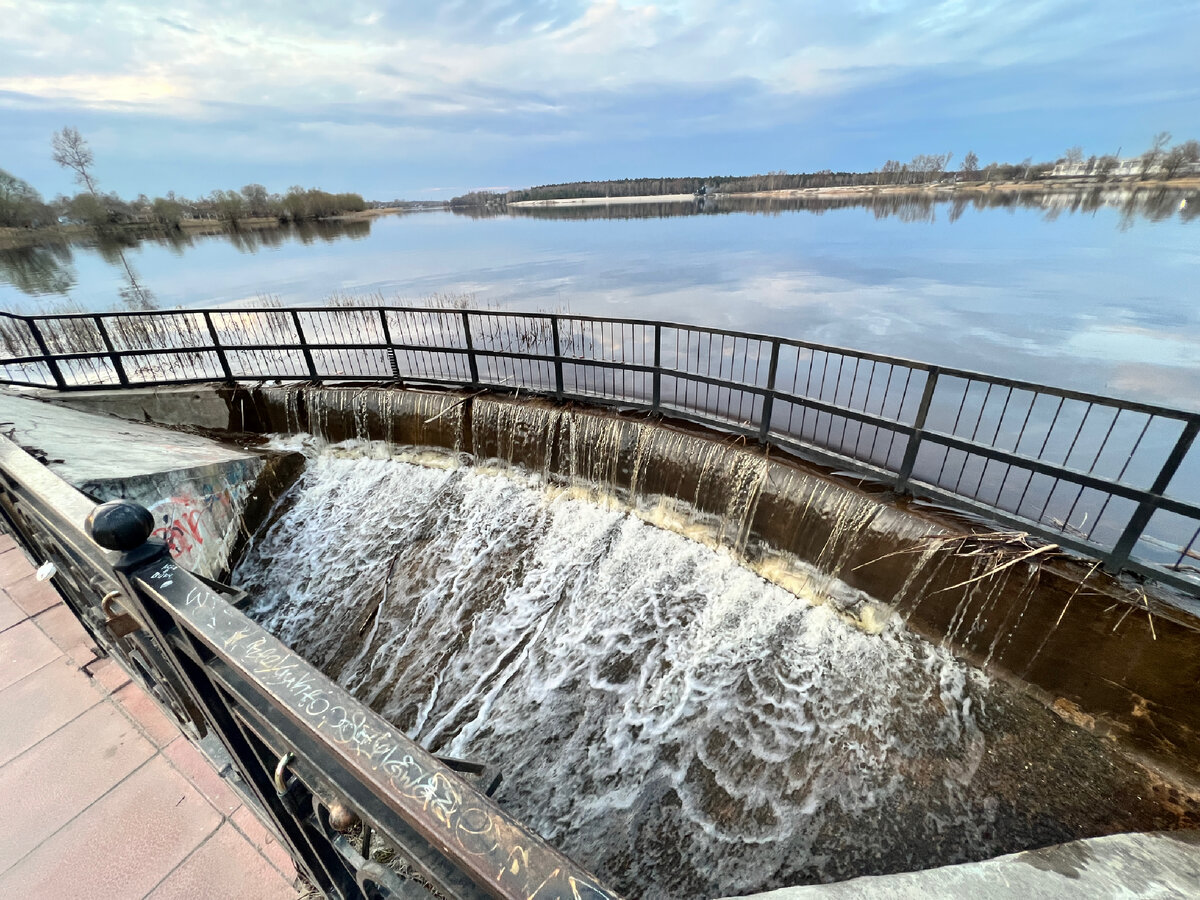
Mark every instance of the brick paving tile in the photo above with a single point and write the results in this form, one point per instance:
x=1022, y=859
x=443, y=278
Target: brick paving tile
x=24, y=649
x=121, y=846
x=60, y=625
x=108, y=676
x=200, y=772
x=56, y=779
x=41, y=703
x=227, y=866
x=7, y=542
x=264, y=841
x=147, y=714
x=14, y=566
x=30, y=594
x=10, y=613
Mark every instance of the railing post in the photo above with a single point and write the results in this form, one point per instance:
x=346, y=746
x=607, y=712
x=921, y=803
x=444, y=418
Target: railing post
x=117, y=365
x=308, y=357
x=1145, y=510
x=914, y=439
x=656, y=399
x=768, y=404
x=558, y=368
x=216, y=342
x=50, y=361
x=387, y=336
x=466, y=320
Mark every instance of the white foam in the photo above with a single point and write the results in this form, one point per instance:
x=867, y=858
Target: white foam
x=630, y=682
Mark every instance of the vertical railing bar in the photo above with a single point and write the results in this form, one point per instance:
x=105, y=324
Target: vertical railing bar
x=850, y=404
x=834, y=399
x=117, y=365
x=50, y=361
x=1087, y=412
x=865, y=404
x=887, y=389
x=974, y=432
x=471, y=362
x=768, y=404
x=995, y=434
x=1145, y=510
x=216, y=343
x=1121, y=474
x=1091, y=468
x=914, y=439
x=656, y=387
x=1016, y=449
x=308, y=357
x=821, y=395
x=954, y=428
x=1070, y=450
x=558, y=367
x=1041, y=450
x=1187, y=549
x=899, y=410
x=387, y=338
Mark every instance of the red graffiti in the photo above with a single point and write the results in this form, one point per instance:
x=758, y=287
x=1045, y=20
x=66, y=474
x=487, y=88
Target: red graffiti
x=180, y=534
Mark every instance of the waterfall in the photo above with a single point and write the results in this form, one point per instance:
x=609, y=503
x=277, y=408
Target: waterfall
x=664, y=714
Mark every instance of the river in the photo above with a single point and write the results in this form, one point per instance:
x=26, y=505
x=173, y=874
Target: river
x=1095, y=291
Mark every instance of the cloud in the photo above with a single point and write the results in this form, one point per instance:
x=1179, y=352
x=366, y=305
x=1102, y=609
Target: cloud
x=763, y=81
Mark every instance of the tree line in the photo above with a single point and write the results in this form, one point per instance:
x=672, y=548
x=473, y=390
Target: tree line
x=22, y=206
x=1159, y=159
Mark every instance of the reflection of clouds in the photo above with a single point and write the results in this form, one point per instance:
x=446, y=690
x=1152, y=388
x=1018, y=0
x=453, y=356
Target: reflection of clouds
x=1012, y=296
x=1168, y=385
x=1128, y=344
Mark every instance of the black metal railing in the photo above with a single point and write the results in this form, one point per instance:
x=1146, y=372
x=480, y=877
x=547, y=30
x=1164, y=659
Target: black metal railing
x=1110, y=478
x=337, y=782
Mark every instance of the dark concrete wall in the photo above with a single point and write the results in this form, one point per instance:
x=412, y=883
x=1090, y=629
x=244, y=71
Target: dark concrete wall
x=1103, y=652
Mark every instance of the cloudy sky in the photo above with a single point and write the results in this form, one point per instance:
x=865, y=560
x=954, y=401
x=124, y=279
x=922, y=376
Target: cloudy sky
x=431, y=99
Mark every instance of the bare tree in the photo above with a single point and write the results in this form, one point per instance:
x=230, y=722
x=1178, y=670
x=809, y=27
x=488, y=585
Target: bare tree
x=72, y=152
x=1074, y=155
x=970, y=165
x=1179, y=156
x=1152, y=156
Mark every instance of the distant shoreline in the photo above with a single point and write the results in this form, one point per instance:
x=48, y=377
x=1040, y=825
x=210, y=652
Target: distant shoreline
x=12, y=238
x=609, y=201
x=949, y=189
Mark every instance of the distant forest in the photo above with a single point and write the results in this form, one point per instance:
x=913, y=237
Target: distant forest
x=22, y=206
x=1159, y=159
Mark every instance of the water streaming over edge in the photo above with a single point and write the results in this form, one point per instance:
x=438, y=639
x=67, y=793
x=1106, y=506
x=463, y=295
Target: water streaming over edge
x=666, y=716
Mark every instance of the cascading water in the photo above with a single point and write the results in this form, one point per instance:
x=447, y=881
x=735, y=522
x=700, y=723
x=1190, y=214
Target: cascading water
x=664, y=715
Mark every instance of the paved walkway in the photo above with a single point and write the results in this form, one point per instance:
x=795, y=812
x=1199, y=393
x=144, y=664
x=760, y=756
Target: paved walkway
x=100, y=794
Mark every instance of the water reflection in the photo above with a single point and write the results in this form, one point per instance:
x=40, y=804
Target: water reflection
x=1132, y=204
x=38, y=271
x=43, y=270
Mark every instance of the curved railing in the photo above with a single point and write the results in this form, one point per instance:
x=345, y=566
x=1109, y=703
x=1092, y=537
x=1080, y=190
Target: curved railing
x=364, y=812
x=1114, y=479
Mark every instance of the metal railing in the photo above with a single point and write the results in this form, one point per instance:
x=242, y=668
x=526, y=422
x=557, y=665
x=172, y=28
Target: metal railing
x=337, y=782
x=1114, y=479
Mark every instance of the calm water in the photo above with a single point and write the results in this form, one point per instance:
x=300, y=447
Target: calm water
x=1091, y=291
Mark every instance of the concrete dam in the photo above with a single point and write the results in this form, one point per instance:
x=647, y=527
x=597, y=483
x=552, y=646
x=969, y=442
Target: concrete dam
x=492, y=604
x=701, y=669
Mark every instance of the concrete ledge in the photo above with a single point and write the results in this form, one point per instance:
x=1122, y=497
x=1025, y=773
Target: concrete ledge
x=1158, y=864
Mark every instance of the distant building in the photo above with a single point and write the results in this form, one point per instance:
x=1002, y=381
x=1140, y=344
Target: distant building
x=1126, y=167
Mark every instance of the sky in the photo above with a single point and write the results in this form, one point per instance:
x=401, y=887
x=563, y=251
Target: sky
x=429, y=100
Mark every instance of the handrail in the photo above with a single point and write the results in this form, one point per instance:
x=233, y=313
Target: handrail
x=1090, y=472
x=319, y=764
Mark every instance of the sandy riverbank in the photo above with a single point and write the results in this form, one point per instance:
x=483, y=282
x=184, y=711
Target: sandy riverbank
x=946, y=189
x=608, y=201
